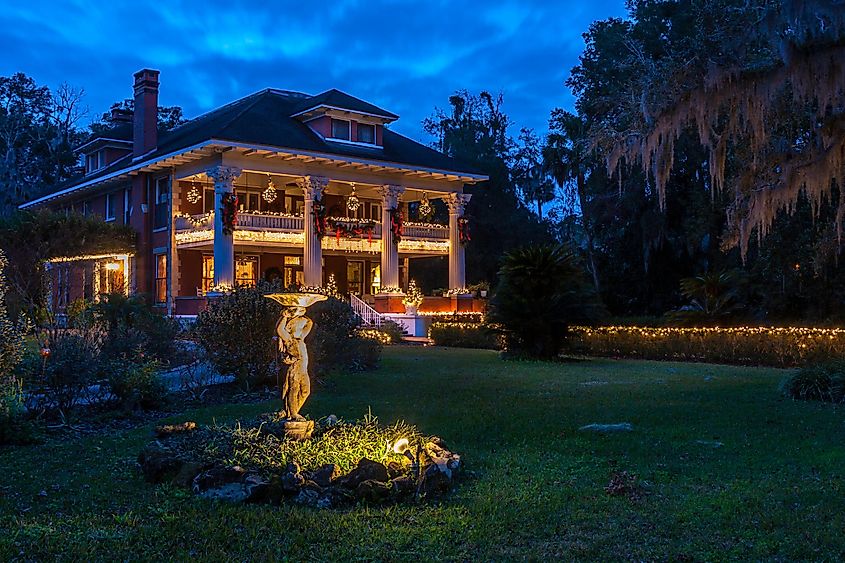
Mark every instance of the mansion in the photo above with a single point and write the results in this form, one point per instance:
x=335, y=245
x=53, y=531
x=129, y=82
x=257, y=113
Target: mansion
x=280, y=185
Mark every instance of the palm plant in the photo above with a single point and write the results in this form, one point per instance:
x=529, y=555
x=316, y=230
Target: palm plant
x=713, y=297
x=542, y=291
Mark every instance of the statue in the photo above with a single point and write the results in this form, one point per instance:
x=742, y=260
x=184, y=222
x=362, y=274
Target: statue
x=292, y=328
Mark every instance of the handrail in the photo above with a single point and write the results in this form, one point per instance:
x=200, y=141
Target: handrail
x=367, y=314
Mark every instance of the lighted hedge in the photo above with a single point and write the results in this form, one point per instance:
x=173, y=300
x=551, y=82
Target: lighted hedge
x=769, y=346
x=463, y=335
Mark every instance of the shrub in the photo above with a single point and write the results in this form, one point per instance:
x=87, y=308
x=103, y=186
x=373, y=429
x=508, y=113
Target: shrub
x=769, y=346
x=133, y=330
x=393, y=330
x=464, y=335
x=137, y=385
x=817, y=382
x=237, y=331
x=12, y=346
x=335, y=343
x=542, y=291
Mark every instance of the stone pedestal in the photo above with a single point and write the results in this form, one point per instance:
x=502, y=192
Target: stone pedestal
x=298, y=429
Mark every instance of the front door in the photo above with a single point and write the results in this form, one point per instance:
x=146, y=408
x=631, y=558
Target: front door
x=355, y=276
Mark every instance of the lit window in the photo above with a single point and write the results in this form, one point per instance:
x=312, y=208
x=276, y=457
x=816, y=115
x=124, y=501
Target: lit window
x=109, y=207
x=340, y=129
x=246, y=270
x=366, y=133
x=207, y=273
x=112, y=277
x=161, y=278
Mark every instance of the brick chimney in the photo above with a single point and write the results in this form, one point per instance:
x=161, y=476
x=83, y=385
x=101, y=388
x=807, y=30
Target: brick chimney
x=145, y=119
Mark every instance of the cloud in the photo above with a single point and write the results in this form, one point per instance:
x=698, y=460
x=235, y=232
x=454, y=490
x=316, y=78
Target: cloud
x=407, y=57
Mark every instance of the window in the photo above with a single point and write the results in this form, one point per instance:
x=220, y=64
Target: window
x=126, y=207
x=63, y=286
x=340, y=129
x=109, y=216
x=161, y=278
x=375, y=211
x=207, y=273
x=162, y=197
x=95, y=161
x=375, y=278
x=246, y=271
x=112, y=277
x=293, y=271
x=86, y=208
x=366, y=133
x=355, y=277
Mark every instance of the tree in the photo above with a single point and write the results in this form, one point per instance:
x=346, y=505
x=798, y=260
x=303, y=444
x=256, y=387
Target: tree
x=11, y=352
x=528, y=172
x=542, y=291
x=168, y=117
x=475, y=132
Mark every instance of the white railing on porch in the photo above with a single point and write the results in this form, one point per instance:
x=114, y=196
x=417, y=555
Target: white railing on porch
x=248, y=220
x=431, y=231
x=368, y=315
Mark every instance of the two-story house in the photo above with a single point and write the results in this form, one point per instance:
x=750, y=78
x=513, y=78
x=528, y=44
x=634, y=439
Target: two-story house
x=276, y=185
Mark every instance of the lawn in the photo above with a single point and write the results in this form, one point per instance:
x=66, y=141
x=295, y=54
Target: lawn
x=773, y=489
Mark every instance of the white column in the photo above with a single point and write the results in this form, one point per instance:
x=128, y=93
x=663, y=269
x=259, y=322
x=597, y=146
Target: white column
x=390, y=194
x=224, y=244
x=312, y=253
x=457, y=269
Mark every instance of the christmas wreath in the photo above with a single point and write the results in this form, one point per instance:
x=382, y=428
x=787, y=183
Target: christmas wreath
x=229, y=213
x=396, y=224
x=352, y=229
x=319, y=215
x=463, y=230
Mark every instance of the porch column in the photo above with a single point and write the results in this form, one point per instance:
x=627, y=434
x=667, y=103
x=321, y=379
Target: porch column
x=457, y=270
x=224, y=244
x=390, y=194
x=312, y=259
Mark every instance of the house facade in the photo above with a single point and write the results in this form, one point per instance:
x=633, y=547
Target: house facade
x=308, y=190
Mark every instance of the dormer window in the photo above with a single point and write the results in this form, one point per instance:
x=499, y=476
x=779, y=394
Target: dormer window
x=95, y=161
x=340, y=129
x=366, y=133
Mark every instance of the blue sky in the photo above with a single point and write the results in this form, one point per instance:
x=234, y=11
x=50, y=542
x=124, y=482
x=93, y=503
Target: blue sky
x=406, y=57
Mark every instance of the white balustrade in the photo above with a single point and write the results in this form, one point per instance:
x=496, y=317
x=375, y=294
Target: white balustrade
x=367, y=314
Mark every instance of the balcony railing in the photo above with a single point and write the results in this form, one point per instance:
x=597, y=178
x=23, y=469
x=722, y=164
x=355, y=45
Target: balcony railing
x=296, y=224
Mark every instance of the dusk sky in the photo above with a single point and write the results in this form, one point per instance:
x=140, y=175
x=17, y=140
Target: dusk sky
x=406, y=57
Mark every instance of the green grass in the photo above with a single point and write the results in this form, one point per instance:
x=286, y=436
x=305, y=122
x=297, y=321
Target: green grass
x=773, y=491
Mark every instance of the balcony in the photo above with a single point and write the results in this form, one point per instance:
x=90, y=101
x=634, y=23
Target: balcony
x=288, y=230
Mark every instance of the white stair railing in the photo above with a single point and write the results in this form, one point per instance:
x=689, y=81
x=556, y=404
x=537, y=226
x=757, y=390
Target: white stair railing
x=368, y=315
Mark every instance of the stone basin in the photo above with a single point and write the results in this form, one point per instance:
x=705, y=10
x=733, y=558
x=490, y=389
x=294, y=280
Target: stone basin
x=296, y=299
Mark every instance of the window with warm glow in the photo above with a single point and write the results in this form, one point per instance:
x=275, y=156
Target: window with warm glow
x=161, y=278
x=246, y=271
x=207, y=273
x=112, y=279
x=375, y=279
x=355, y=277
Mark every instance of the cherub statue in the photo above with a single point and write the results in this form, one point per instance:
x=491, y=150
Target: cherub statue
x=292, y=328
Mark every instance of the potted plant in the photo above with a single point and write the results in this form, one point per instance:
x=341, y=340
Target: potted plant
x=413, y=298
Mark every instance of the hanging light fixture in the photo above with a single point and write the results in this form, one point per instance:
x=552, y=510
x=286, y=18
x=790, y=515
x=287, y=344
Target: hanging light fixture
x=193, y=194
x=270, y=194
x=425, y=210
x=352, y=202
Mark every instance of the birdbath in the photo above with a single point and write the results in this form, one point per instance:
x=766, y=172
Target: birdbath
x=292, y=328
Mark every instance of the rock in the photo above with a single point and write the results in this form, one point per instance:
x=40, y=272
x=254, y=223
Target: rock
x=448, y=462
x=186, y=474
x=433, y=481
x=401, y=486
x=217, y=477
x=257, y=488
x=158, y=463
x=230, y=492
x=170, y=429
x=396, y=469
x=367, y=470
x=324, y=502
x=710, y=443
x=617, y=427
x=325, y=474
x=275, y=490
x=373, y=491
x=331, y=420
x=292, y=482
x=311, y=485
x=307, y=497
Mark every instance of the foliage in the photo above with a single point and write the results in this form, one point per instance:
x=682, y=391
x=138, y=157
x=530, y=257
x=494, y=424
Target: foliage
x=817, y=382
x=765, y=346
x=475, y=132
x=464, y=335
x=255, y=445
x=137, y=384
x=237, y=331
x=33, y=237
x=713, y=299
x=168, y=117
x=516, y=424
x=132, y=328
x=12, y=346
x=335, y=344
x=392, y=330
x=542, y=291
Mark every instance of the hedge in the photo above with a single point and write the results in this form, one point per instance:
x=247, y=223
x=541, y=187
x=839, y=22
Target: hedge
x=765, y=346
x=463, y=335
